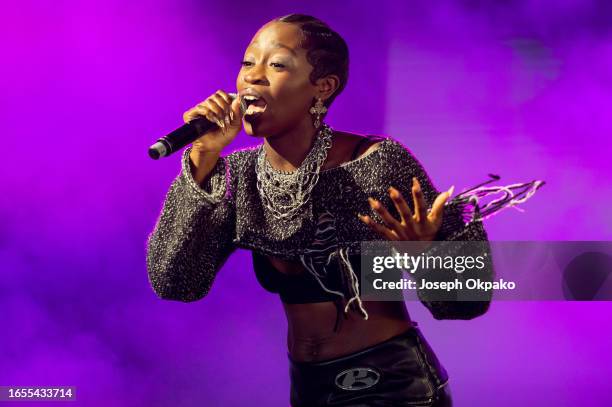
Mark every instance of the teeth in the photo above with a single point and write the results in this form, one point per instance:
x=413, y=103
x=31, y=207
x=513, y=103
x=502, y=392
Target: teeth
x=250, y=97
x=255, y=109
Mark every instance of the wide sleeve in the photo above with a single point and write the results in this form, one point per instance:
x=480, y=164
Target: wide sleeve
x=193, y=236
x=457, y=304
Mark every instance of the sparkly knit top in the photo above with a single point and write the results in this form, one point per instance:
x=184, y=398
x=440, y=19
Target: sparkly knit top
x=201, y=225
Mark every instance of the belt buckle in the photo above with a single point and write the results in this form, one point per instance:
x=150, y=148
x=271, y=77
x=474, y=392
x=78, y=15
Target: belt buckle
x=357, y=378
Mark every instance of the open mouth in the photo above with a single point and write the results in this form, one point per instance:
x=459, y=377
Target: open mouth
x=253, y=105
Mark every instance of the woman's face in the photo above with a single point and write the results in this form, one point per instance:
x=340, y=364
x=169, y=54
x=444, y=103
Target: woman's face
x=275, y=67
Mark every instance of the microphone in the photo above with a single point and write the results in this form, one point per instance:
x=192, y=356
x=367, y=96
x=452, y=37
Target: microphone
x=186, y=134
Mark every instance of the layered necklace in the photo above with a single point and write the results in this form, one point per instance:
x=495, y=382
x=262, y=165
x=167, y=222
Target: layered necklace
x=285, y=193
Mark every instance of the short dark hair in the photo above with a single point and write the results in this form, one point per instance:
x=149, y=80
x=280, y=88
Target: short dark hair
x=327, y=51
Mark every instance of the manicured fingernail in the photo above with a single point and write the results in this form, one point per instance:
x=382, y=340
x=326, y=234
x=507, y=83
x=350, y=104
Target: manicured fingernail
x=393, y=192
x=231, y=115
x=450, y=191
x=373, y=203
x=227, y=119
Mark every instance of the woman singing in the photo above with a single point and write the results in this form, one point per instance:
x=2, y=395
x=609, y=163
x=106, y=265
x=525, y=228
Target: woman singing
x=302, y=201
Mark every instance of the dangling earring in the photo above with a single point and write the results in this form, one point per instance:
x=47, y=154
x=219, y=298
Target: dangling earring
x=318, y=110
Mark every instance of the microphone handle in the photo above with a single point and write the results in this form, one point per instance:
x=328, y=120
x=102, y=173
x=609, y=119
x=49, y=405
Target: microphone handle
x=179, y=138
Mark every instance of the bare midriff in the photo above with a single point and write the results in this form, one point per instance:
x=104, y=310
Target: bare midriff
x=311, y=336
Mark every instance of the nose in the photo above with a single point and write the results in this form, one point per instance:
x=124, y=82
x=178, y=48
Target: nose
x=255, y=75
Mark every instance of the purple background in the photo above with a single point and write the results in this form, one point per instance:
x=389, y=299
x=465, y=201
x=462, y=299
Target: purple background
x=520, y=88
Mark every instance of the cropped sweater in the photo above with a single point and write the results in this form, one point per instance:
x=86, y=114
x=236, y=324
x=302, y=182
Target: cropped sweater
x=201, y=225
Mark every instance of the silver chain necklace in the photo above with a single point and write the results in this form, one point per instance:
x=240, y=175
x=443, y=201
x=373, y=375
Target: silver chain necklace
x=284, y=193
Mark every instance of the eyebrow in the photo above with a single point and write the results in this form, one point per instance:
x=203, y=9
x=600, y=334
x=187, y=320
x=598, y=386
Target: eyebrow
x=278, y=45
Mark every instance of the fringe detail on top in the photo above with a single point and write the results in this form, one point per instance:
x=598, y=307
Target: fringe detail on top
x=308, y=265
x=319, y=256
x=352, y=281
x=511, y=196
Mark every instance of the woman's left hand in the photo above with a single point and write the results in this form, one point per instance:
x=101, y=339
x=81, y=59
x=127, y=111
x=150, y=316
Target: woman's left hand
x=422, y=226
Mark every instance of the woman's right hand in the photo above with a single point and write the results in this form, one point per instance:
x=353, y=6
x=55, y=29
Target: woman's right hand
x=218, y=108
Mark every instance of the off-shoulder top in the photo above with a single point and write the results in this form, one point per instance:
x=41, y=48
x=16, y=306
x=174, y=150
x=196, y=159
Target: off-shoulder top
x=201, y=225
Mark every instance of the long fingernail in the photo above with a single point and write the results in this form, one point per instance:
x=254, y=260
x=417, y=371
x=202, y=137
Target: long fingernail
x=231, y=115
x=450, y=191
x=373, y=203
x=227, y=119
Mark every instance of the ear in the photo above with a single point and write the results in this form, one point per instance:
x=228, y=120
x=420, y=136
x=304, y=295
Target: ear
x=326, y=86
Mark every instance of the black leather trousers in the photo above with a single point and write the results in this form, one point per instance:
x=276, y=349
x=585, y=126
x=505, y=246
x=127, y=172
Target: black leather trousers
x=401, y=371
